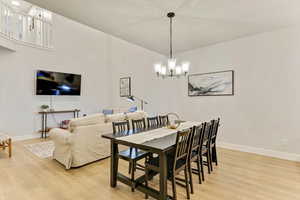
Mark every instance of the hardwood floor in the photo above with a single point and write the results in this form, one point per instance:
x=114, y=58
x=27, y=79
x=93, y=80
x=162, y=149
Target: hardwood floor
x=239, y=176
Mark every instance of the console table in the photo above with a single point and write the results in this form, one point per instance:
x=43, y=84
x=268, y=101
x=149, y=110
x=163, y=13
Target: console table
x=45, y=114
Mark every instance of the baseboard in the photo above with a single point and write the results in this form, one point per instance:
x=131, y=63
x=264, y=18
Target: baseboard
x=261, y=151
x=25, y=137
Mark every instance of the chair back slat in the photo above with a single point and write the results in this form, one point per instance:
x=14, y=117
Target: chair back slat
x=215, y=128
x=164, y=120
x=119, y=127
x=153, y=122
x=207, y=133
x=196, y=137
x=139, y=124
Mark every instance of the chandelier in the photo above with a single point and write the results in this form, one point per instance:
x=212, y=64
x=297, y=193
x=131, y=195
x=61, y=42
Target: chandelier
x=171, y=68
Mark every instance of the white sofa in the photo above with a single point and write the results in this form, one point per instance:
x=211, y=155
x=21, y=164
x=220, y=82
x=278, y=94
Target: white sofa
x=82, y=143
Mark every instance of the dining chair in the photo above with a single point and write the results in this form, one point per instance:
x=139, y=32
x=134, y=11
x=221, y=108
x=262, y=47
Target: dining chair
x=153, y=122
x=213, y=147
x=119, y=127
x=194, y=154
x=164, y=120
x=132, y=155
x=176, y=162
x=138, y=124
x=205, y=146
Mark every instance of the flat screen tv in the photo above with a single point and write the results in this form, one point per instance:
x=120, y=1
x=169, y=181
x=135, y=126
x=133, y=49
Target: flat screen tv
x=57, y=83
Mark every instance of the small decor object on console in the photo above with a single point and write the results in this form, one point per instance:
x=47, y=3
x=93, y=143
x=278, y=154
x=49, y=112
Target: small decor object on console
x=44, y=108
x=125, y=87
x=211, y=84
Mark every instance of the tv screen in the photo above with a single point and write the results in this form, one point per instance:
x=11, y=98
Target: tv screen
x=57, y=83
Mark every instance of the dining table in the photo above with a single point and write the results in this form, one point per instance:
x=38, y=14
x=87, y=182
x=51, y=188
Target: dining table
x=157, y=141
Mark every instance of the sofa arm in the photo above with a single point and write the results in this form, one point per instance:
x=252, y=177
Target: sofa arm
x=61, y=136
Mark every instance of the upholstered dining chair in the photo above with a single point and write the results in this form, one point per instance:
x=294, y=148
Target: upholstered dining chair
x=176, y=162
x=132, y=155
x=153, y=122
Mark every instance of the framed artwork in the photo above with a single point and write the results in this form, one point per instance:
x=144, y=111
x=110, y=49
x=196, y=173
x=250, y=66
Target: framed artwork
x=211, y=84
x=125, y=87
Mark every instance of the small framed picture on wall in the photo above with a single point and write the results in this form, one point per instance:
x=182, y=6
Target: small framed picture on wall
x=125, y=86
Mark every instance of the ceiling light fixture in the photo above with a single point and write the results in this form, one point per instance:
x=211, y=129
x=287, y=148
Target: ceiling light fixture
x=15, y=3
x=171, y=68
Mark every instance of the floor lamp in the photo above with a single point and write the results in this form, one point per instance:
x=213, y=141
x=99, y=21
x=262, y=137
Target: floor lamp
x=132, y=98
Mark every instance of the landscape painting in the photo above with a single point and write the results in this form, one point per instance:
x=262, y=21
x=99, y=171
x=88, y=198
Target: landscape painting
x=211, y=84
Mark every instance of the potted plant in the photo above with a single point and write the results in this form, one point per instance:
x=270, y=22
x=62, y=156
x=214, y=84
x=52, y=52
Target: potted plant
x=44, y=108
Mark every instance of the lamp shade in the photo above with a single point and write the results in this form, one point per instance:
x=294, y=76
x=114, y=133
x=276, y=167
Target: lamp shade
x=131, y=98
x=171, y=63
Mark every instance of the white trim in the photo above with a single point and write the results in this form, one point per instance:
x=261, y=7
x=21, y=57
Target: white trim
x=25, y=137
x=7, y=43
x=260, y=151
x=14, y=42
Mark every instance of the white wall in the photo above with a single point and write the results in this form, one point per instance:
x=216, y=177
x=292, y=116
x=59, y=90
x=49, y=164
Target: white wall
x=264, y=112
x=262, y=116
x=77, y=49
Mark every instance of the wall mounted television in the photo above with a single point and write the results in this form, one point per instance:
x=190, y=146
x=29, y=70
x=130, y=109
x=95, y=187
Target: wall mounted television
x=57, y=83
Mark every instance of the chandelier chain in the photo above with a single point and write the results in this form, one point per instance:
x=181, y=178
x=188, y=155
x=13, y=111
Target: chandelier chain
x=171, y=38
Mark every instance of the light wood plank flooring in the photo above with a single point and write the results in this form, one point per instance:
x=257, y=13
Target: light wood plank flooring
x=240, y=176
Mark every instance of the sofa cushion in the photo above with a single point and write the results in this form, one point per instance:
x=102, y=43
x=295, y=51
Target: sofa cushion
x=136, y=115
x=133, y=109
x=86, y=121
x=108, y=111
x=115, y=117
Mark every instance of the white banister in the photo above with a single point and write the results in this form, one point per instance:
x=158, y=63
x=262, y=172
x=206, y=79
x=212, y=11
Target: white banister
x=25, y=28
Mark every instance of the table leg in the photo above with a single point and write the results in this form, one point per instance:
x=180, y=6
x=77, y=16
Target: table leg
x=45, y=126
x=113, y=164
x=163, y=176
x=42, y=129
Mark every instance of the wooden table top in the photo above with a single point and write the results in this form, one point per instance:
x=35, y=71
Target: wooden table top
x=160, y=144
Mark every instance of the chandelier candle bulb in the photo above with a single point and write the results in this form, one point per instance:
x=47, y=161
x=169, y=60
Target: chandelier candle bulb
x=157, y=68
x=178, y=70
x=171, y=63
x=163, y=70
x=185, y=67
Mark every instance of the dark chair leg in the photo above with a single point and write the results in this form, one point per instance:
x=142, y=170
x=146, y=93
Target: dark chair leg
x=133, y=164
x=191, y=178
x=202, y=168
x=174, y=187
x=146, y=181
x=199, y=170
x=129, y=168
x=210, y=160
x=215, y=155
x=187, y=183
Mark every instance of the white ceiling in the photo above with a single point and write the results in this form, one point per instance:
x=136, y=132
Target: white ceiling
x=197, y=23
